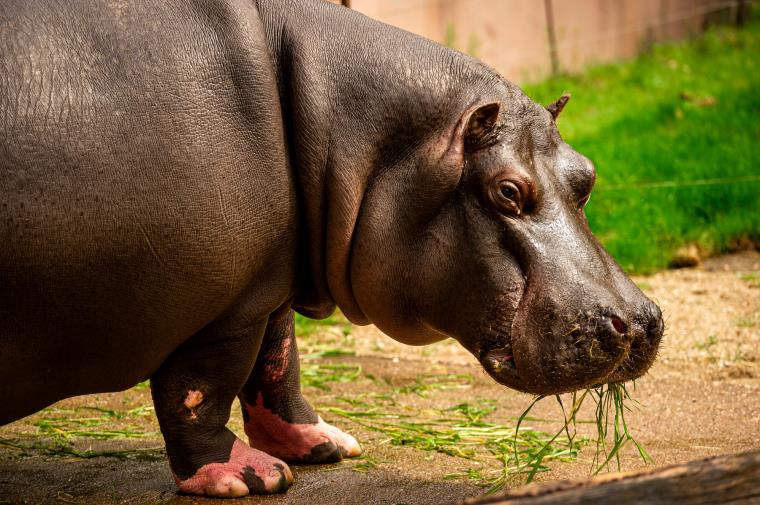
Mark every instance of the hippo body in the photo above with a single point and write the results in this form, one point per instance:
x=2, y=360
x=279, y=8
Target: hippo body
x=177, y=178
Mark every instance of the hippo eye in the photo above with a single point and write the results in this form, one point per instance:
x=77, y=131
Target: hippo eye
x=507, y=197
x=508, y=191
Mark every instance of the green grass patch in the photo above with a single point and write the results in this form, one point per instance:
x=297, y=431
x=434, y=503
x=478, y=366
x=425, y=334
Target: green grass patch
x=58, y=430
x=92, y=422
x=427, y=383
x=306, y=327
x=707, y=344
x=365, y=463
x=318, y=375
x=752, y=279
x=745, y=322
x=675, y=137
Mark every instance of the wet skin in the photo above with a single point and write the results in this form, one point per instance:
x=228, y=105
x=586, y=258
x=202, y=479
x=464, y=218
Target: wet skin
x=176, y=178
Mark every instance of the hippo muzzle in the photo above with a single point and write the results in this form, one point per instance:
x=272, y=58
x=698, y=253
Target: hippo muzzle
x=596, y=347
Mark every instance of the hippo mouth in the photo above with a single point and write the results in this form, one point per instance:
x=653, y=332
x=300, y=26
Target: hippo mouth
x=495, y=352
x=568, y=370
x=499, y=361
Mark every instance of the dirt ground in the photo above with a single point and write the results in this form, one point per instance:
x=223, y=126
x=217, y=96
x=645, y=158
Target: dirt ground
x=701, y=398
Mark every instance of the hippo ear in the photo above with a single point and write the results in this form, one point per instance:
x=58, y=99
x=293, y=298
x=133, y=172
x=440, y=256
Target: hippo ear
x=481, y=126
x=556, y=107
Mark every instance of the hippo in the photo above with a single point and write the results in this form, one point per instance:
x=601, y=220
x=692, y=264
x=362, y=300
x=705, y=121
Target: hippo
x=179, y=178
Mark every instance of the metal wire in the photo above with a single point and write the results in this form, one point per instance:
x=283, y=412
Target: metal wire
x=679, y=184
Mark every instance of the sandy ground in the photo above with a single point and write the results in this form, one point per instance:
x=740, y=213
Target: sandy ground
x=701, y=398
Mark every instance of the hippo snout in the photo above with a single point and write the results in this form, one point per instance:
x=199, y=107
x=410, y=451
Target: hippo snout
x=594, y=346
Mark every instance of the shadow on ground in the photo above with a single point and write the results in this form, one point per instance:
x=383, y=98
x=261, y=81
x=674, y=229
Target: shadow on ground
x=105, y=481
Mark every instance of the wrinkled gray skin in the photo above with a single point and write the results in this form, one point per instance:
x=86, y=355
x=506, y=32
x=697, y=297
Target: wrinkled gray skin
x=173, y=174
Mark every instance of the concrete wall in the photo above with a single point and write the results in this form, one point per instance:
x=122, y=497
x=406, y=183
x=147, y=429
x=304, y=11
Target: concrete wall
x=513, y=35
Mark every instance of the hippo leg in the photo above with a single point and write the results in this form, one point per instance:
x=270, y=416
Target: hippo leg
x=278, y=419
x=193, y=393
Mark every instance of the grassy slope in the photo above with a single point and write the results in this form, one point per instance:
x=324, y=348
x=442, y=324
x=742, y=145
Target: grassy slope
x=682, y=112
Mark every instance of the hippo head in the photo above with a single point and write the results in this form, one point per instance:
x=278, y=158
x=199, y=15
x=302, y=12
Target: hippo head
x=482, y=237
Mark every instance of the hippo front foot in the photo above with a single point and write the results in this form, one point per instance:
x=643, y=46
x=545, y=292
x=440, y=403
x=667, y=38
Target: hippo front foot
x=304, y=443
x=248, y=471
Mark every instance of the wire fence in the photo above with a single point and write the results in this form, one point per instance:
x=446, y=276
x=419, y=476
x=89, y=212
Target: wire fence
x=679, y=184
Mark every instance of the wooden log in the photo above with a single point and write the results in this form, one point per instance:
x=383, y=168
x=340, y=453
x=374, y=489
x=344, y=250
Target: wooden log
x=720, y=479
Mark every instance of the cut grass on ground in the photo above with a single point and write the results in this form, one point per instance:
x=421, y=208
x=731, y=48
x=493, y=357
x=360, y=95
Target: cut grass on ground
x=659, y=129
x=502, y=452
x=62, y=432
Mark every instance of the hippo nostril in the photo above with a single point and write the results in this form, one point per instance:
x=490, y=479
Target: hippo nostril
x=618, y=324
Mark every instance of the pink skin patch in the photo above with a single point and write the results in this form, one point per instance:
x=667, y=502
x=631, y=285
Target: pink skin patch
x=192, y=400
x=292, y=441
x=231, y=479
